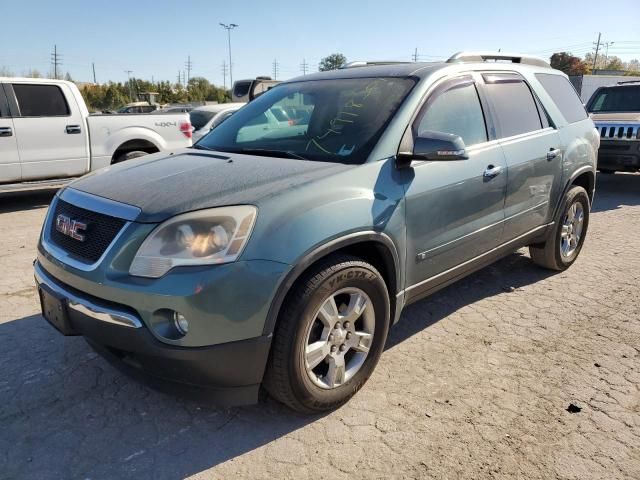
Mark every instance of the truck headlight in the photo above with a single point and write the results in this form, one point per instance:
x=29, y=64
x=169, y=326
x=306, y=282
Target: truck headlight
x=204, y=237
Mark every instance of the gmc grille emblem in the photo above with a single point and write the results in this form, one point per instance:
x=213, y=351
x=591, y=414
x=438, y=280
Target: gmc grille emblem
x=70, y=228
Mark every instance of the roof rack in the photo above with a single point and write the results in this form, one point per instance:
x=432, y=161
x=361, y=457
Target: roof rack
x=360, y=63
x=470, y=57
x=628, y=81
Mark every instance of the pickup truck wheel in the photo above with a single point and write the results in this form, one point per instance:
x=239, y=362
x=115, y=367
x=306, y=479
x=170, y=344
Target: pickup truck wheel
x=330, y=335
x=569, y=231
x=129, y=156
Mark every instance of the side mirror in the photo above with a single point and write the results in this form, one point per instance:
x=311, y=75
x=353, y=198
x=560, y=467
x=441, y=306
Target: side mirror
x=434, y=146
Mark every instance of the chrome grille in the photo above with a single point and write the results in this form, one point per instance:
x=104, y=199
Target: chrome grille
x=101, y=230
x=618, y=131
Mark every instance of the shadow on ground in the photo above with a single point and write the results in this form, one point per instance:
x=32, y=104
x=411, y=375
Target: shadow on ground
x=22, y=201
x=615, y=191
x=65, y=413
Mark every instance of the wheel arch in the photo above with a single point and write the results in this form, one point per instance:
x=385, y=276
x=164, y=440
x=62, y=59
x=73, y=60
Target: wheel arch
x=133, y=145
x=375, y=248
x=584, y=177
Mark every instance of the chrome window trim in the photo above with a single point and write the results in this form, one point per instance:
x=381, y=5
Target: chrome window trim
x=98, y=204
x=64, y=257
x=87, y=307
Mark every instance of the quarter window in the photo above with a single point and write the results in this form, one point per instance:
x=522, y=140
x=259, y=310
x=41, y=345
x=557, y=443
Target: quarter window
x=457, y=111
x=514, y=107
x=40, y=100
x=564, y=96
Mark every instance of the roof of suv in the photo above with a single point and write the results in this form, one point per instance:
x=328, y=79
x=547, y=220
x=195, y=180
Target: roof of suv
x=512, y=61
x=382, y=70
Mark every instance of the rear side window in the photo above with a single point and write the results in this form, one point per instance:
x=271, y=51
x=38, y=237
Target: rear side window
x=456, y=111
x=514, y=107
x=564, y=96
x=41, y=100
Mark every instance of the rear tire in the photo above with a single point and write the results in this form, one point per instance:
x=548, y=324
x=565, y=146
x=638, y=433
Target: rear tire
x=569, y=231
x=330, y=335
x=129, y=156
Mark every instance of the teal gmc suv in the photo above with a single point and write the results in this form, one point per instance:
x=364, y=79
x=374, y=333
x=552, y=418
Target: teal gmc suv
x=279, y=253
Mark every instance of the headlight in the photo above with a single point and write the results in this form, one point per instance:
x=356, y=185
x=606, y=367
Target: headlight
x=205, y=237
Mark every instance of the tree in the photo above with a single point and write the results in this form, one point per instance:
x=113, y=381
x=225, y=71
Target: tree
x=568, y=63
x=614, y=63
x=5, y=72
x=33, y=73
x=633, y=65
x=332, y=62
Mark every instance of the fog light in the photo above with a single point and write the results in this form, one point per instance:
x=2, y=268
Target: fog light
x=181, y=323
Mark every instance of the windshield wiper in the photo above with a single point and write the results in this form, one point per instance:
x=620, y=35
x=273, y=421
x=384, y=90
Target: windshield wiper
x=270, y=153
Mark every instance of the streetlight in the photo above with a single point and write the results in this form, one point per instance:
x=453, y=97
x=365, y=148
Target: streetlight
x=606, y=54
x=230, y=27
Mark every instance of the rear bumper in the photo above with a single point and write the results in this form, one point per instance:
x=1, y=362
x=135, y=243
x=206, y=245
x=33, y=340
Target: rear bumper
x=619, y=155
x=227, y=373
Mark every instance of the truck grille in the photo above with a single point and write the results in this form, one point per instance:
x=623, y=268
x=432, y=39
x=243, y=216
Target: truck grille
x=100, y=232
x=618, y=131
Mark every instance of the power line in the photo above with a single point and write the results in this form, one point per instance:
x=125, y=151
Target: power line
x=304, y=66
x=56, y=61
x=224, y=73
x=188, y=65
x=276, y=68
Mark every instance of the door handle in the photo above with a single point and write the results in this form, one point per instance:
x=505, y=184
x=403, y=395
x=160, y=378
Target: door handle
x=73, y=129
x=6, y=132
x=553, y=153
x=492, y=171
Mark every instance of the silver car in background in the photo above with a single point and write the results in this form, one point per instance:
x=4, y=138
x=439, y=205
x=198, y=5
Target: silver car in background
x=204, y=119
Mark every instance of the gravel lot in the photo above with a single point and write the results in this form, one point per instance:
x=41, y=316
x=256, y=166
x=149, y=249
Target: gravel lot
x=475, y=381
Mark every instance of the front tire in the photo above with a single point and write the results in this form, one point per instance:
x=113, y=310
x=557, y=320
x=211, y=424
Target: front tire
x=330, y=335
x=569, y=231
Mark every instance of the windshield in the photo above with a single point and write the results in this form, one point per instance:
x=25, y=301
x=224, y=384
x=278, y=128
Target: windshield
x=337, y=120
x=616, y=99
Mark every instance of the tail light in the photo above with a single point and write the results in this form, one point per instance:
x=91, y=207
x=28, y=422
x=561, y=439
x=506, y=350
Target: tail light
x=185, y=128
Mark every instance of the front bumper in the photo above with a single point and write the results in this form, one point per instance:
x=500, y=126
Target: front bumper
x=619, y=155
x=229, y=373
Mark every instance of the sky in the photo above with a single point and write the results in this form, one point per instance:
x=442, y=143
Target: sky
x=154, y=39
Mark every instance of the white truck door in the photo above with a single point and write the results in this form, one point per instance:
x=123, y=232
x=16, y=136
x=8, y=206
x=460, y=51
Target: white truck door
x=10, y=170
x=50, y=131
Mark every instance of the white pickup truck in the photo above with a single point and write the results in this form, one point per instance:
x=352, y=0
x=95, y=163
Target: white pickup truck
x=48, y=137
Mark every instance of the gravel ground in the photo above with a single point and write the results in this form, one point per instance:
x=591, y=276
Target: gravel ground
x=475, y=381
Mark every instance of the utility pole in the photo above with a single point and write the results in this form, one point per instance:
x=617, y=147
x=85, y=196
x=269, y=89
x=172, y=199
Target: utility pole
x=56, y=61
x=129, y=72
x=224, y=73
x=230, y=27
x=275, y=69
x=188, y=65
x=304, y=66
x=93, y=67
x=595, y=57
x=179, y=81
x=415, y=55
x=606, y=52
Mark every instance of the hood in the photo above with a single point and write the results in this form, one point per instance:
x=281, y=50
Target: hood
x=616, y=117
x=166, y=184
